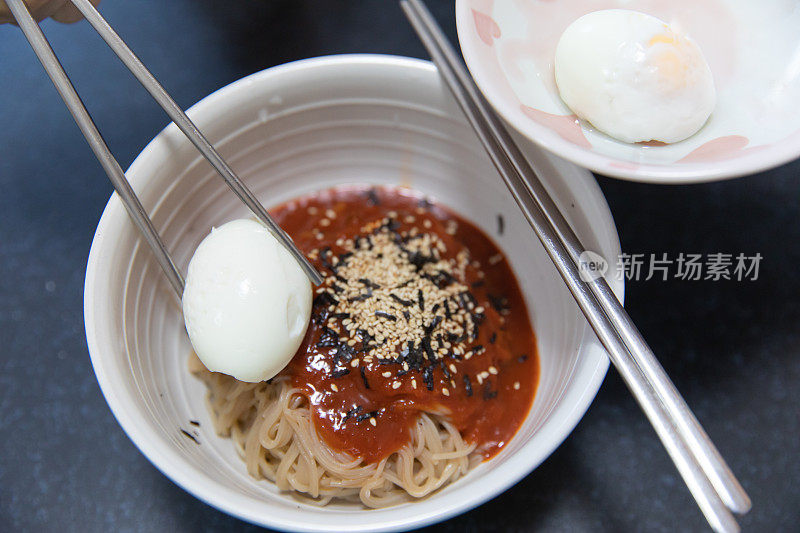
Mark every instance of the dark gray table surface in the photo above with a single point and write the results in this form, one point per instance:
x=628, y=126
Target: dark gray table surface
x=731, y=347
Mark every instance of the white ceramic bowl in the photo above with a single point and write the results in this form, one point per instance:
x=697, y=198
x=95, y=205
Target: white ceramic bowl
x=753, y=49
x=287, y=131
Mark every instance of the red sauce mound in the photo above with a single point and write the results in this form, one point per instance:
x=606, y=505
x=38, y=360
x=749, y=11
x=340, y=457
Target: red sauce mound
x=377, y=354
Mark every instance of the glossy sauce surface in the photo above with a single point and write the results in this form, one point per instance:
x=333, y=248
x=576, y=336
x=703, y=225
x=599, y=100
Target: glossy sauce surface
x=367, y=406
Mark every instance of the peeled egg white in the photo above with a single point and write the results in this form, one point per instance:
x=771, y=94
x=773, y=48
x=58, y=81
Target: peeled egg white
x=246, y=303
x=633, y=77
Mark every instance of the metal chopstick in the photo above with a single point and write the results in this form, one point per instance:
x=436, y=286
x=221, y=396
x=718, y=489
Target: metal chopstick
x=67, y=91
x=56, y=72
x=720, y=475
x=681, y=433
x=126, y=55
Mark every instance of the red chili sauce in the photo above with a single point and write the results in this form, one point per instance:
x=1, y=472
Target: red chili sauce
x=475, y=361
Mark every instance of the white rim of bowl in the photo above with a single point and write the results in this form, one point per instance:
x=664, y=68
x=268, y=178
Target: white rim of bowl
x=774, y=155
x=172, y=465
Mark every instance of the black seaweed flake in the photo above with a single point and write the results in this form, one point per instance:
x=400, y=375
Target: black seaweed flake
x=501, y=224
x=363, y=377
x=470, y=298
x=353, y=412
x=418, y=259
x=462, y=300
x=324, y=299
x=190, y=435
x=488, y=393
x=426, y=347
x=404, y=303
x=425, y=203
x=339, y=372
x=372, y=197
x=361, y=297
x=430, y=328
x=499, y=302
x=427, y=377
x=194, y=423
x=467, y=385
x=366, y=338
x=387, y=316
x=522, y=358
x=420, y=300
x=328, y=339
x=367, y=416
x=412, y=355
x=327, y=264
x=390, y=225
x=445, y=370
x=493, y=338
x=409, y=238
x=369, y=283
x=406, y=315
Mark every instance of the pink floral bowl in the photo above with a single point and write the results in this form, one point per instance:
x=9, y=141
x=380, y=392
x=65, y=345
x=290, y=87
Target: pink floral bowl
x=753, y=49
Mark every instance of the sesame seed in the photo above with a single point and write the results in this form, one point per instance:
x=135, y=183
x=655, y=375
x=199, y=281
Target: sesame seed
x=492, y=370
x=312, y=210
x=516, y=385
x=373, y=421
x=445, y=391
x=397, y=295
x=330, y=213
x=334, y=388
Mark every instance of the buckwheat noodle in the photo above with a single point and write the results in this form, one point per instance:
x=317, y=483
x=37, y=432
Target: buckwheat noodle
x=271, y=426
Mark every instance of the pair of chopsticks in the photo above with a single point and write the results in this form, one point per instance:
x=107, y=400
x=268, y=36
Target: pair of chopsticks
x=711, y=482
x=55, y=71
